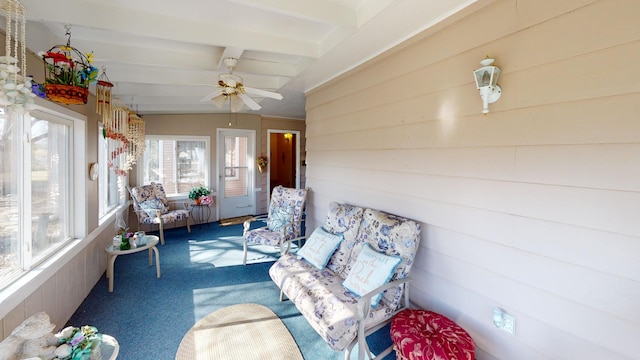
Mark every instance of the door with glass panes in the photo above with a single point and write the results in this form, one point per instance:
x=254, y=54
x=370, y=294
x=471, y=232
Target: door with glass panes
x=236, y=195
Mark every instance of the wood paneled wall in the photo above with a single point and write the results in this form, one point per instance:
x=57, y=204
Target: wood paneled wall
x=533, y=208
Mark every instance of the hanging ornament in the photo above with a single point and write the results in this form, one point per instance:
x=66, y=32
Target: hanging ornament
x=15, y=88
x=117, y=142
x=68, y=73
x=103, y=96
x=135, y=135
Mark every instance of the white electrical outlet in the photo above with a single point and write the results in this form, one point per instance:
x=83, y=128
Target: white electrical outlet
x=508, y=323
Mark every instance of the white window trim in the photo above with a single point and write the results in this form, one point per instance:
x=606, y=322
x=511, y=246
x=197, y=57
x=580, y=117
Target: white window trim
x=207, y=160
x=18, y=291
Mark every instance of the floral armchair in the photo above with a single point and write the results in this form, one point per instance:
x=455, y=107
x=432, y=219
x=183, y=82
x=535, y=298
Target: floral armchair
x=152, y=207
x=284, y=220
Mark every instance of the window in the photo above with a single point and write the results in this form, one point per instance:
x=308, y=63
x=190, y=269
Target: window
x=37, y=203
x=110, y=186
x=178, y=163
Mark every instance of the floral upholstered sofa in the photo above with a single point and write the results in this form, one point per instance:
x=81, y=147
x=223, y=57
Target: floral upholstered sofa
x=348, y=297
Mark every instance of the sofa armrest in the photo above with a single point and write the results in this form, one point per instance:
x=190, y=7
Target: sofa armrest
x=364, y=303
x=285, y=249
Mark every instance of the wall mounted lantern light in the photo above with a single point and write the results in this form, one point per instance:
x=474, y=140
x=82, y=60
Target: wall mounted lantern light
x=487, y=83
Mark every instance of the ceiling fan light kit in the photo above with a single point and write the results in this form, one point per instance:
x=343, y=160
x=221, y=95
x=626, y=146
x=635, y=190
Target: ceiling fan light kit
x=230, y=87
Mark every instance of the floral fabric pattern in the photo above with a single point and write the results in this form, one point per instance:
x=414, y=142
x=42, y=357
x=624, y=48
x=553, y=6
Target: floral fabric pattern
x=154, y=196
x=391, y=235
x=280, y=217
x=319, y=294
x=281, y=198
x=423, y=334
x=345, y=220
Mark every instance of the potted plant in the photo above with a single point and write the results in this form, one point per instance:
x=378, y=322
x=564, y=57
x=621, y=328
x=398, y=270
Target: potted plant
x=197, y=192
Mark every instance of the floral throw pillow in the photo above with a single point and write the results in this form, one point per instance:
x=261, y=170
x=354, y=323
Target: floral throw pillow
x=280, y=217
x=371, y=270
x=152, y=206
x=319, y=247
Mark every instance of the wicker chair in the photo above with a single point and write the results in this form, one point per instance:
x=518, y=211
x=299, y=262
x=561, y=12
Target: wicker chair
x=284, y=220
x=151, y=207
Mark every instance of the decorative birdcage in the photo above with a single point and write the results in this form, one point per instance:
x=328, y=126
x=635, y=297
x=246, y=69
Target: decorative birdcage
x=68, y=73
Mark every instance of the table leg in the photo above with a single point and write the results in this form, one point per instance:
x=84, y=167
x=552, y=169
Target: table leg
x=110, y=275
x=157, y=261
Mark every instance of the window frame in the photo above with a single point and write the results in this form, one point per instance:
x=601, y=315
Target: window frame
x=46, y=110
x=207, y=160
x=105, y=178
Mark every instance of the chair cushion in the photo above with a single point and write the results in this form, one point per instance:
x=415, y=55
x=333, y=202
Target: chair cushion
x=345, y=220
x=264, y=236
x=423, y=334
x=151, y=207
x=280, y=216
x=169, y=217
x=319, y=247
x=324, y=302
x=371, y=270
x=289, y=197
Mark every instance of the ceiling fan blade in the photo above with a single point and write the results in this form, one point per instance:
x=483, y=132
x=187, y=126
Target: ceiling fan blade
x=263, y=93
x=211, y=96
x=249, y=102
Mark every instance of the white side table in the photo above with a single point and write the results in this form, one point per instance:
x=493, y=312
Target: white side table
x=112, y=254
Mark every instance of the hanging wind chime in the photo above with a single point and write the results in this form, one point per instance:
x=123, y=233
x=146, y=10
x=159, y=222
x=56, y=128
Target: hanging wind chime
x=124, y=132
x=116, y=134
x=103, y=96
x=135, y=135
x=16, y=88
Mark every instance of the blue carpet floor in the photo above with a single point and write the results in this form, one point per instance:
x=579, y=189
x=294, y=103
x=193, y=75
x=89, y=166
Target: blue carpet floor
x=149, y=316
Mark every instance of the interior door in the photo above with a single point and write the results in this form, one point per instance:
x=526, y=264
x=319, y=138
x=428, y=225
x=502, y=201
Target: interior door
x=236, y=195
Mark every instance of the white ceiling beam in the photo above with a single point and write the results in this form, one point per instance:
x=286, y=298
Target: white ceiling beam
x=107, y=17
x=200, y=58
x=319, y=11
x=119, y=73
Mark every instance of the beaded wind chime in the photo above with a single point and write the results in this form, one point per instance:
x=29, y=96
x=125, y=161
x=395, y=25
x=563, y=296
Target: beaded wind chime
x=135, y=135
x=124, y=132
x=15, y=89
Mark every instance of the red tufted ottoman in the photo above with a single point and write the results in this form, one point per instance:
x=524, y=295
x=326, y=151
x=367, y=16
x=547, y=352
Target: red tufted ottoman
x=423, y=334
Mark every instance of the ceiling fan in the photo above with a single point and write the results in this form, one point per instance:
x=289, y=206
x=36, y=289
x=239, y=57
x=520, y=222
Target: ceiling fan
x=230, y=87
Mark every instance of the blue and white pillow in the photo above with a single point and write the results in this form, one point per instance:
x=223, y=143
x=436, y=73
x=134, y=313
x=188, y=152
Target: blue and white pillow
x=279, y=217
x=371, y=270
x=152, y=206
x=319, y=247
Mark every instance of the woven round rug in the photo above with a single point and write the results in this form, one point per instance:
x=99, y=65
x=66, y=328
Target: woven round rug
x=242, y=332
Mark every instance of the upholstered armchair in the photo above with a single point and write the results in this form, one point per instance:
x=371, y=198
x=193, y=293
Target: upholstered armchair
x=284, y=220
x=152, y=207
